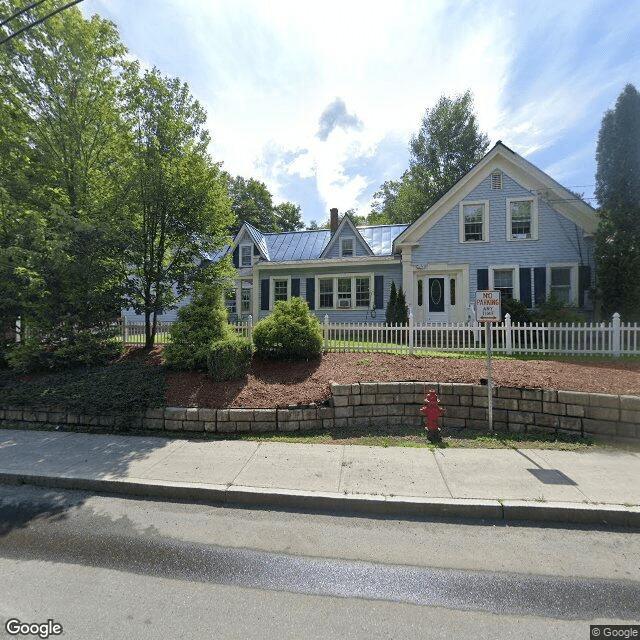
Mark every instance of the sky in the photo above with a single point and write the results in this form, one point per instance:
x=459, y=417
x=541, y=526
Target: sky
x=319, y=100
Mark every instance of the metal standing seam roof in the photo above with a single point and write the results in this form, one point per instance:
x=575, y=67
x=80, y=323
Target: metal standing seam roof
x=308, y=245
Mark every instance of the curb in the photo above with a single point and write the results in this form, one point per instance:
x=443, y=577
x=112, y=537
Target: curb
x=360, y=504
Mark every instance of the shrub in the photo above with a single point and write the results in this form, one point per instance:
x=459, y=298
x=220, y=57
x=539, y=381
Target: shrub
x=553, y=311
x=518, y=312
x=229, y=359
x=290, y=332
x=85, y=348
x=196, y=328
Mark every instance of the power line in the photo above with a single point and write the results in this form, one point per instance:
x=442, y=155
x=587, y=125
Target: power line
x=20, y=12
x=41, y=20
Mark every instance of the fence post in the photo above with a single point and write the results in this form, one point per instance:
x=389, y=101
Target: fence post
x=326, y=332
x=410, y=331
x=124, y=330
x=508, y=334
x=249, y=326
x=616, y=335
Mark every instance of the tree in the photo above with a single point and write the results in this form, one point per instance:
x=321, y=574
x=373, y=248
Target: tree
x=251, y=202
x=392, y=305
x=445, y=148
x=179, y=204
x=287, y=217
x=617, y=245
x=60, y=251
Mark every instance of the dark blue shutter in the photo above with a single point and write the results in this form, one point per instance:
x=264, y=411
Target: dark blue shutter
x=483, y=279
x=540, y=284
x=295, y=287
x=264, y=294
x=236, y=257
x=584, y=282
x=378, y=288
x=525, y=287
x=311, y=293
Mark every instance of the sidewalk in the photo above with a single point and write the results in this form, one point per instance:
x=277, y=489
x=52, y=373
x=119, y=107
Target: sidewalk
x=530, y=484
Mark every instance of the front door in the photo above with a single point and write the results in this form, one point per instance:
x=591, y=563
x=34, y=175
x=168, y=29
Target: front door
x=436, y=299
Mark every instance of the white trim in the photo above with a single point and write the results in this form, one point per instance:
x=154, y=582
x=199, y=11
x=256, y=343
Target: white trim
x=534, y=219
x=515, y=268
x=346, y=220
x=353, y=246
x=272, y=289
x=485, y=220
x=518, y=169
x=335, y=277
x=330, y=262
x=573, y=281
x=241, y=246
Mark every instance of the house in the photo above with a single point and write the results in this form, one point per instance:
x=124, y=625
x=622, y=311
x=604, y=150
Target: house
x=505, y=225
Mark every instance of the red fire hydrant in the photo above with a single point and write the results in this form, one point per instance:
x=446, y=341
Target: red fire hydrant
x=432, y=411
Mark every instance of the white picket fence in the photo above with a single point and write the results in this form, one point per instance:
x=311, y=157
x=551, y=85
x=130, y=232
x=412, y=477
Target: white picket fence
x=133, y=332
x=608, y=339
x=612, y=339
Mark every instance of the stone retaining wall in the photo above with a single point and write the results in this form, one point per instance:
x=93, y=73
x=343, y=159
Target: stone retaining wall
x=378, y=404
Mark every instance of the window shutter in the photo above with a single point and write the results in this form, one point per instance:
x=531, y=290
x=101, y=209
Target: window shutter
x=378, y=288
x=236, y=257
x=311, y=293
x=295, y=287
x=525, y=287
x=264, y=294
x=540, y=284
x=584, y=282
x=483, y=279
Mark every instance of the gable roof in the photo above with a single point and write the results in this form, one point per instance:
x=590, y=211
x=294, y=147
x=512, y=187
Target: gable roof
x=522, y=171
x=311, y=244
x=346, y=222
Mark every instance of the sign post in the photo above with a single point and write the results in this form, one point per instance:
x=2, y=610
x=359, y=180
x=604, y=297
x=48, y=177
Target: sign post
x=488, y=310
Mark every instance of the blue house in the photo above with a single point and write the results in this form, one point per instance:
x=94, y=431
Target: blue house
x=505, y=225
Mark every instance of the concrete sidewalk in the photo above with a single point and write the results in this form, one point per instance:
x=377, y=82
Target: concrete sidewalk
x=530, y=484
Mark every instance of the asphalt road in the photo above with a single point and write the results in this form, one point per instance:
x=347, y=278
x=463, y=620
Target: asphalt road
x=110, y=567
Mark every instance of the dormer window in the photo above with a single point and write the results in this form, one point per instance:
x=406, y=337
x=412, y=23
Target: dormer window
x=346, y=247
x=245, y=255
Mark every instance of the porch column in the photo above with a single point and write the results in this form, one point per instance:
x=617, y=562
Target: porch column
x=407, y=276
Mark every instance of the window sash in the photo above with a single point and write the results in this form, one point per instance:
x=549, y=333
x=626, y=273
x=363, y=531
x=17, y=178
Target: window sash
x=245, y=255
x=473, y=221
x=326, y=293
x=280, y=290
x=503, y=282
x=363, y=295
x=560, y=286
x=347, y=247
x=521, y=213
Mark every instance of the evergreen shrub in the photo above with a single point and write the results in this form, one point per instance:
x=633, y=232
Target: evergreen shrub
x=290, y=332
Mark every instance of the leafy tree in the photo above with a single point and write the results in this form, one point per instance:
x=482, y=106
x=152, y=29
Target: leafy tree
x=251, y=202
x=59, y=251
x=179, y=204
x=288, y=217
x=617, y=246
x=402, y=310
x=445, y=148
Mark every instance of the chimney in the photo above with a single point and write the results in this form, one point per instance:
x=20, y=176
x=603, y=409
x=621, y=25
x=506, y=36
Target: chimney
x=334, y=220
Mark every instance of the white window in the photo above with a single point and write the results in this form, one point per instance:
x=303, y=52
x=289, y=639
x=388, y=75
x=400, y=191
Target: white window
x=562, y=283
x=506, y=280
x=246, y=251
x=522, y=219
x=245, y=298
x=326, y=293
x=344, y=292
x=280, y=290
x=346, y=247
x=474, y=221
